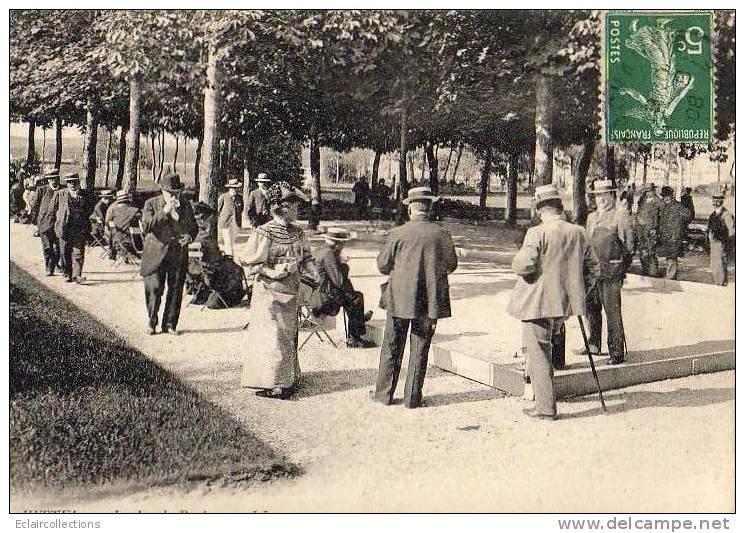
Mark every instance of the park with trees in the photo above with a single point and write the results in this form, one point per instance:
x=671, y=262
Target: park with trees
x=251, y=91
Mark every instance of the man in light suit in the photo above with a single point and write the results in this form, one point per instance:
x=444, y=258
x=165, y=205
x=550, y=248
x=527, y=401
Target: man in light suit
x=556, y=267
x=417, y=257
x=227, y=223
x=168, y=226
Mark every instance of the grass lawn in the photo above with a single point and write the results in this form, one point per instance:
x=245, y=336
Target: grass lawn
x=88, y=411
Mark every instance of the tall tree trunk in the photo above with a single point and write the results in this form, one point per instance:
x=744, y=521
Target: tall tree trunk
x=644, y=168
x=447, y=165
x=58, y=142
x=133, y=143
x=610, y=163
x=434, y=181
x=43, y=145
x=484, y=183
x=197, y=164
x=108, y=155
x=175, y=156
x=457, y=161
x=31, y=146
x=544, y=145
x=248, y=175
x=510, y=205
x=152, y=156
x=375, y=171
x=315, y=183
x=403, y=183
x=91, y=134
x=161, y=152
x=122, y=158
x=423, y=165
x=209, y=174
x=581, y=159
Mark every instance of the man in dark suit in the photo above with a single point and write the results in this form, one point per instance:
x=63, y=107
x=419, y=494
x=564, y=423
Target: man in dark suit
x=121, y=216
x=418, y=257
x=98, y=217
x=257, y=206
x=69, y=213
x=335, y=289
x=168, y=226
x=43, y=217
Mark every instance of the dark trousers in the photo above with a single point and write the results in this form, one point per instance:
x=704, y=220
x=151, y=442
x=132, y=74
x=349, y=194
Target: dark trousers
x=51, y=248
x=539, y=340
x=73, y=255
x=647, y=252
x=391, y=358
x=171, y=273
x=607, y=296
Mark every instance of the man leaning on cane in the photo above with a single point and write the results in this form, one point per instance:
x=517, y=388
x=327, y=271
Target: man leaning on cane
x=556, y=268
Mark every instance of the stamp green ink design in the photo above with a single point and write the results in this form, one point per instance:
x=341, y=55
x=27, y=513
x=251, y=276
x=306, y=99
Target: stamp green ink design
x=658, y=77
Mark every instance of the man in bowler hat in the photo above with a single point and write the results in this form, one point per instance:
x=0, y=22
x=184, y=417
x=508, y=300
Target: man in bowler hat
x=417, y=257
x=168, y=226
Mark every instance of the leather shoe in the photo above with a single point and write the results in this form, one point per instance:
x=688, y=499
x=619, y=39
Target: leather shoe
x=80, y=280
x=532, y=413
x=69, y=280
x=368, y=316
x=612, y=361
x=583, y=351
x=151, y=331
x=172, y=331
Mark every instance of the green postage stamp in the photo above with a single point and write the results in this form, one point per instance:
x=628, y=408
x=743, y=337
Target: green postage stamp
x=658, y=77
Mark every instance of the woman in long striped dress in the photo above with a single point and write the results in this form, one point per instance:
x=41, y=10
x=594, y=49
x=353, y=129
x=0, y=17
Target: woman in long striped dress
x=272, y=256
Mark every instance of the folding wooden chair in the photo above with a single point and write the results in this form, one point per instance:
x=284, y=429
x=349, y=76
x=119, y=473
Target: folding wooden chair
x=310, y=324
x=99, y=239
x=128, y=254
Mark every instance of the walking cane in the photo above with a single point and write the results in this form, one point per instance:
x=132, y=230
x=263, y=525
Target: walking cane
x=592, y=363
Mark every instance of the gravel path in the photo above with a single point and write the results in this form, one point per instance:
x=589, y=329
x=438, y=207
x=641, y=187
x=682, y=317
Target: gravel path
x=665, y=446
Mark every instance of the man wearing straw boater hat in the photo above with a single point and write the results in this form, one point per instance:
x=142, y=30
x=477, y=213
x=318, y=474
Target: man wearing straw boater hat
x=257, y=206
x=556, y=268
x=69, y=211
x=44, y=219
x=417, y=257
x=168, y=226
x=227, y=224
x=721, y=233
x=611, y=235
x=122, y=215
x=335, y=289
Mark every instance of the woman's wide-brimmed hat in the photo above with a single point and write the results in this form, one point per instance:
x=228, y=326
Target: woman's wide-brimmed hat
x=282, y=192
x=233, y=183
x=420, y=194
x=601, y=186
x=544, y=193
x=334, y=235
x=171, y=183
x=262, y=178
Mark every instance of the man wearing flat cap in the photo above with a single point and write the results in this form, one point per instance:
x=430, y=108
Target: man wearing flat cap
x=335, y=288
x=556, y=268
x=168, y=226
x=647, y=229
x=43, y=217
x=418, y=257
x=611, y=236
x=257, y=206
x=69, y=210
x=721, y=234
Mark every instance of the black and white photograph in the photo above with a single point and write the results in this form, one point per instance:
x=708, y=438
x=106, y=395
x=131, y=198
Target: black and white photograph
x=368, y=259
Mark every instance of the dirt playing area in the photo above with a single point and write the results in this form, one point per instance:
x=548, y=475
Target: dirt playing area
x=664, y=447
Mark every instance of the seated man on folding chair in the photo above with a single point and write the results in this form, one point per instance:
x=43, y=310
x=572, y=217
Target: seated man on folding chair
x=335, y=289
x=120, y=217
x=214, y=280
x=98, y=218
